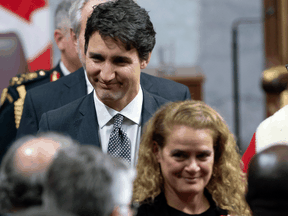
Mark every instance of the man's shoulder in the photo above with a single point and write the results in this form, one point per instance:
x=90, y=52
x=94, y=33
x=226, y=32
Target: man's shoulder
x=157, y=98
x=163, y=87
x=160, y=80
x=19, y=84
x=73, y=106
x=54, y=87
x=278, y=119
x=272, y=130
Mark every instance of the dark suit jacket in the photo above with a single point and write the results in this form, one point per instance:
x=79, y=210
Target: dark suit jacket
x=8, y=129
x=69, y=88
x=78, y=119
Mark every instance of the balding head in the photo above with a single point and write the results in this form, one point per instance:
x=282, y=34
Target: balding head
x=267, y=181
x=23, y=169
x=35, y=155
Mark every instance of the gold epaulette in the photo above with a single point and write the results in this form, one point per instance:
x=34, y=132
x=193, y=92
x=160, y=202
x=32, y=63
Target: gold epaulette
x=18, y=105
x=20, y=79
x=5, y=95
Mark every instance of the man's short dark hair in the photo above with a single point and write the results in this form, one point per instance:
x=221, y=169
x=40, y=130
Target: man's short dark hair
x=123, y=20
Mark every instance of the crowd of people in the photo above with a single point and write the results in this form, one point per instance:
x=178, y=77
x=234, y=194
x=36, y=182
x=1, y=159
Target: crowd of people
x=106, y=139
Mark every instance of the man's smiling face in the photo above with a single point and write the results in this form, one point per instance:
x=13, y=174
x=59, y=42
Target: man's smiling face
x=113, y=71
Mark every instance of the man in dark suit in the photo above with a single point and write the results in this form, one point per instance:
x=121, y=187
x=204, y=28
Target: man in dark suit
x=76, y=85
x=114, y=58
x=12, y=99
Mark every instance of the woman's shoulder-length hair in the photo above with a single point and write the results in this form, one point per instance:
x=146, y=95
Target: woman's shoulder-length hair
x=227, y=184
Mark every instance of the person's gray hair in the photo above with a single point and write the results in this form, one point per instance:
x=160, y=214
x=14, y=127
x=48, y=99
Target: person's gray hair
x=85, y=181
x=75, y=15
x=61, y=16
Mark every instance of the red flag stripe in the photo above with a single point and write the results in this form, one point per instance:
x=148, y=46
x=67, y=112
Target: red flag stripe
x=43, y=61
x=23, y=8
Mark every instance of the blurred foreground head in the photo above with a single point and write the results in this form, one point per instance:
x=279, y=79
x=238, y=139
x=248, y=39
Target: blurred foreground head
x=23, y=169
x=84, y=181
x=39, y=211
x=267, y=182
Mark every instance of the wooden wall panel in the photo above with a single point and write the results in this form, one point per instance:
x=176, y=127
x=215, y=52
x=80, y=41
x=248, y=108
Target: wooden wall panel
x=276, y=32
x=276, y=48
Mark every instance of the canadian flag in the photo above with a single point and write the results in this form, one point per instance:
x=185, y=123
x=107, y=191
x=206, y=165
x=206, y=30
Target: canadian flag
x=30, y=20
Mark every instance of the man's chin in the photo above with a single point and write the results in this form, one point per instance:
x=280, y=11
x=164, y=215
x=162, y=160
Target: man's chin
x=106, y=96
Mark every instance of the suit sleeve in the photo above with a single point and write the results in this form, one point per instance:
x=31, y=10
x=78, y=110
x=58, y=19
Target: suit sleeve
x=29, y=121
x=187, y=94
x=43, y=124
x=249, y=153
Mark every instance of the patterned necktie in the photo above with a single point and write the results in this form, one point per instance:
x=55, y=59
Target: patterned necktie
x=119, y=144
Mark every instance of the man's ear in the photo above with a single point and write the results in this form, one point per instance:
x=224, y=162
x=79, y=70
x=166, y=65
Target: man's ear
x=59, y=39
x=144, y=63
x=74, y=38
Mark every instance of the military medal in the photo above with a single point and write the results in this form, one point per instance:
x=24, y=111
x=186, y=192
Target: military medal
x=54, y=76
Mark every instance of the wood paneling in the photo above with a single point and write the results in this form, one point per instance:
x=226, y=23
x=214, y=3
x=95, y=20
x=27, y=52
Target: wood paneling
x=276, y=32
x=276, y=48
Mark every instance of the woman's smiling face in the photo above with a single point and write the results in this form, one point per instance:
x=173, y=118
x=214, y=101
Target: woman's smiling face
x=187, y=160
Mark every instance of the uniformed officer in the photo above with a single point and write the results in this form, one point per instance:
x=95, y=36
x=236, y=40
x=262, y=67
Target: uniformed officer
x=12, y=97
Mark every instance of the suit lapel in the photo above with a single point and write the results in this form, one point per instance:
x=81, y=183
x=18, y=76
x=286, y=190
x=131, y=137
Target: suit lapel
x=146, y=83
x=74, y=87
x=86, y=123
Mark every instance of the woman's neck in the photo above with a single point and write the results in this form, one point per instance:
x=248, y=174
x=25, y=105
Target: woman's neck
x=187, y=203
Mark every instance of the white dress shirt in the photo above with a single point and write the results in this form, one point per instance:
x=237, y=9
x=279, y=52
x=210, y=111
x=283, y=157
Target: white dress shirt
x=88, y=84
x=131, y=123
x=65, y=71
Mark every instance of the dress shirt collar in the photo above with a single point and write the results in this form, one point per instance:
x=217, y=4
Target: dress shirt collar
x=65, y=71
x=132, y=111
x=88, y=84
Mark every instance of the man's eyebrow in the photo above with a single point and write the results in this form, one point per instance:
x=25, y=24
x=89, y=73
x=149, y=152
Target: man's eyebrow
x=95, y=55
x=122, y=58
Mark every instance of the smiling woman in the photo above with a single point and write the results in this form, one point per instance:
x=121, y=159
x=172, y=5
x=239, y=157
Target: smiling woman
x=189, y=164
